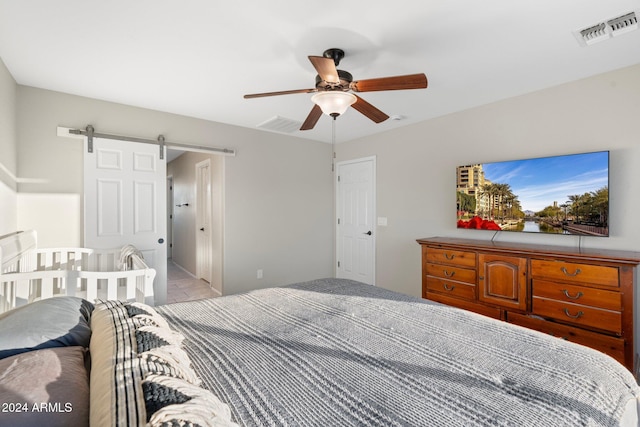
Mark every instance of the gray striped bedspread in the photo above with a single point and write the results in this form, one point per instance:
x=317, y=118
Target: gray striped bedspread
x=340, y=353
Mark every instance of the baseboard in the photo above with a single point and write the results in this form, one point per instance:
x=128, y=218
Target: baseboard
x=182, y=268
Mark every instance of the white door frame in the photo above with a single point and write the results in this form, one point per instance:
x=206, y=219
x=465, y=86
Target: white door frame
x=203, y=220
x=169, y=216
x=373, y=213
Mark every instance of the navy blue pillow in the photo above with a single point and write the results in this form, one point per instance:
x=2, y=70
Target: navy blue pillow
x=53, y=322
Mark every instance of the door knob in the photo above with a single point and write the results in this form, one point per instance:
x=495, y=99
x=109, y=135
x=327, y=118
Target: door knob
x=202, y=229
x=368, y=233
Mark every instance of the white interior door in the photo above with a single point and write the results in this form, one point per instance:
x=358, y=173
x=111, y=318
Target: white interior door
x=125, y=202
x=203, y=220
x=355, y=206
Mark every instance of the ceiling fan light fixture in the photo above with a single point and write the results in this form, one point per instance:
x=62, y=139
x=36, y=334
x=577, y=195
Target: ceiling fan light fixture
x=333, y=103
x=332, y=91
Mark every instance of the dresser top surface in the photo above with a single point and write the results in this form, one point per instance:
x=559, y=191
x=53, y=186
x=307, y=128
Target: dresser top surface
x=625, y=257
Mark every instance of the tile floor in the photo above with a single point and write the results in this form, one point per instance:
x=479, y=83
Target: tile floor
x=181, y=286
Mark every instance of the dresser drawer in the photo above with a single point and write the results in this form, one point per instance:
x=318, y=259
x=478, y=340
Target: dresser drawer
x=451, y=257
x=451, y=273
x=612, y=346
x=485, y=310
x=574, y=272
x=578, y=314
x=451, y=288
x=593, y=297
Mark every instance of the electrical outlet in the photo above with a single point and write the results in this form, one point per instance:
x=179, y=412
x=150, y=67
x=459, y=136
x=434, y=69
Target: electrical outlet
x=259, y=274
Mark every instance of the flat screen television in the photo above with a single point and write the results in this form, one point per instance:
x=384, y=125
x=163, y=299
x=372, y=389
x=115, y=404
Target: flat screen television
x=558, y=195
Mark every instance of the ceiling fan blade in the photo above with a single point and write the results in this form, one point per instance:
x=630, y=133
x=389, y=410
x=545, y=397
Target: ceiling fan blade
x=369, y=110
x=411, y=81
x=312, y=118
x=326, y=68
x=282, y=92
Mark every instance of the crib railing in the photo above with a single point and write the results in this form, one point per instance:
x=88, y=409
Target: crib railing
x=82, y=272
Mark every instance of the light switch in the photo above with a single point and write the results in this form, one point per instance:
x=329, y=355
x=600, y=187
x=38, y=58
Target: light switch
x=382, y=221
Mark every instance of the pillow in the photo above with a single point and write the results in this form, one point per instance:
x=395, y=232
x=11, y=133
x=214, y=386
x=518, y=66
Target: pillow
x=145, y=315
x=116, y=395
x=129, y=343
x=169, y=360
x=175, y=402
x=140, y=373
x=45, y=387
x=52, y=322
x=150, y=337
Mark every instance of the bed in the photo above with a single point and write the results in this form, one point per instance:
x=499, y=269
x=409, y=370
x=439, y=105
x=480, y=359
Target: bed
x=336, y=352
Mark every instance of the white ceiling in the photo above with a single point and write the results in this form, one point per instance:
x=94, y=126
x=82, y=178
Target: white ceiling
x=199, y=57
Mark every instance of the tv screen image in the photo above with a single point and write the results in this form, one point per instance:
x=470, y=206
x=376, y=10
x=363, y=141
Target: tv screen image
x=566, y=194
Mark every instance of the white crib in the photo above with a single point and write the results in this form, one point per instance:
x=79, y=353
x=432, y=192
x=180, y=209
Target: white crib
x=29, y=273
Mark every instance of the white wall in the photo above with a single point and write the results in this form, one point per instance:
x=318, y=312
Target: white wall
x=278, y=189
x=8, y=152
x=8, y=210
x=416, y=165
x=55, y=217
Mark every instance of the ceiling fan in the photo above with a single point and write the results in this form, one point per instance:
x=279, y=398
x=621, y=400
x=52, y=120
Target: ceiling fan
x=333, y=89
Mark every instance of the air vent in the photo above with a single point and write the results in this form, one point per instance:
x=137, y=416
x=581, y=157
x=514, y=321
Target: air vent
x=280, y=124
x=623, y=24
x=607, y=29
x=595, y=34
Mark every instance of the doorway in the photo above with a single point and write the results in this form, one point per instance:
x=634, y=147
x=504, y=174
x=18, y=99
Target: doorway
x=355, y=211
x=127, y=191
x=197, y=223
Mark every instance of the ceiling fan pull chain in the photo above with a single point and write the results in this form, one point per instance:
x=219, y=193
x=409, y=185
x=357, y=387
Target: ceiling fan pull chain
x=333, y=143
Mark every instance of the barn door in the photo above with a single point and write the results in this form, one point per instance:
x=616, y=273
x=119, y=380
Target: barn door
x=125, y=202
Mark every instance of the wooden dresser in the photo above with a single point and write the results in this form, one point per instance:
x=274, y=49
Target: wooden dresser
x=581, y=295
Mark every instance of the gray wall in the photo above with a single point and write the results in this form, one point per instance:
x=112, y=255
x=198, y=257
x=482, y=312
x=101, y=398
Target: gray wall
x=278, y=189
x=416, y=165
x=8, y=138
x=8, y=151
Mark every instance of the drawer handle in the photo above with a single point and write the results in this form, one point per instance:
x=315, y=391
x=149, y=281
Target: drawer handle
x=573, y=316
x=448, y=273
x=449, y=257
x=576, y=296
x=564, y=270
x=448, y=287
